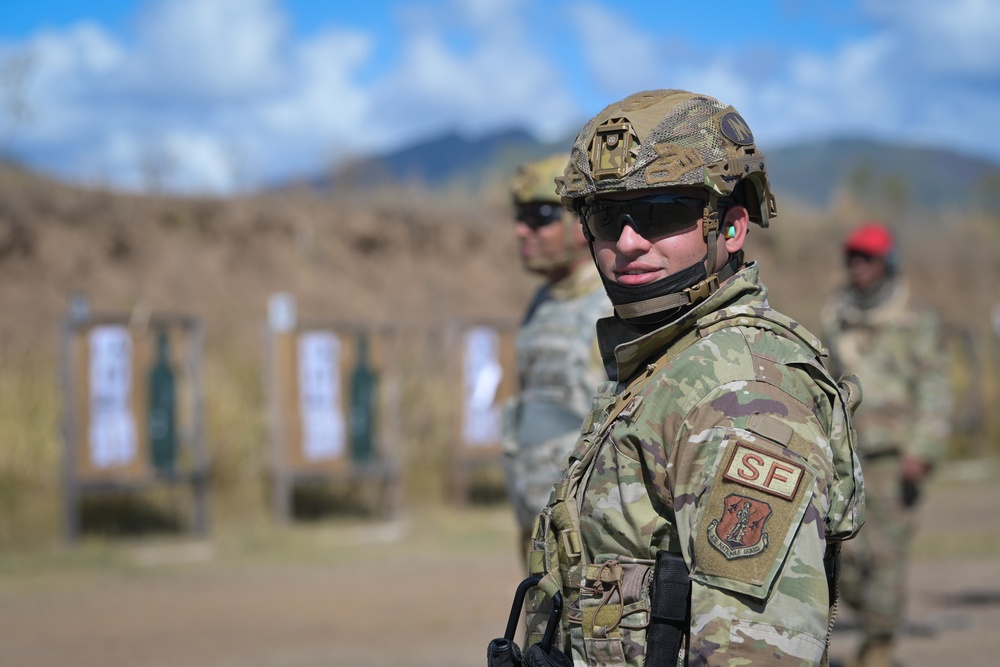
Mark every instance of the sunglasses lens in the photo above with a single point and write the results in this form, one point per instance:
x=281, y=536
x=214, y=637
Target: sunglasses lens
x=650, y=217
x=536, y=216
x=853, y=255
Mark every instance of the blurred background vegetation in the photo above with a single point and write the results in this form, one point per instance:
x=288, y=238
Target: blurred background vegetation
x=385, y=241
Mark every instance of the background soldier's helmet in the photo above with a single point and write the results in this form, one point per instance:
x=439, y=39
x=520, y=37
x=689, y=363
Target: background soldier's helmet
x=536, y=181
x=663, y=138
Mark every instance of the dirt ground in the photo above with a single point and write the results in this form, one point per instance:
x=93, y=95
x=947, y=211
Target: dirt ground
x=431, y=589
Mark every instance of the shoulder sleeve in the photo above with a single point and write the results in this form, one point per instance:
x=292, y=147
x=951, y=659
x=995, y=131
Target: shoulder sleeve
x=751, y=496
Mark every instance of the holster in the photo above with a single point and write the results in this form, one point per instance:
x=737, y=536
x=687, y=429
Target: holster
x=670, y=610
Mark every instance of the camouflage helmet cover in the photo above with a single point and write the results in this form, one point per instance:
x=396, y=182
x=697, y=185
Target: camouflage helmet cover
x=536, y=181
x=663, y=138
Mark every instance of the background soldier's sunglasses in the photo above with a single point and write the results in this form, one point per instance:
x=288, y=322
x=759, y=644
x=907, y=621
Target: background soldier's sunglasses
x=651, y=217
x=865, y=257
x=538, y=215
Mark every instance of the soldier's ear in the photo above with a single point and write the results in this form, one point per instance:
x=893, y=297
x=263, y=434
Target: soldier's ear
x=734, y=227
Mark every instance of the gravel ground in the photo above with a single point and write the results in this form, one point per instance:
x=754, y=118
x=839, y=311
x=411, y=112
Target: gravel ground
x=431, y=590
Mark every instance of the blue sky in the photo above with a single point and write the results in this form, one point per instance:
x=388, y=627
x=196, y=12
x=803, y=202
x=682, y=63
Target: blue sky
x=221, y=95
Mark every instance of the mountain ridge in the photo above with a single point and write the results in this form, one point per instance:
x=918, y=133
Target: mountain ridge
x=811, y=173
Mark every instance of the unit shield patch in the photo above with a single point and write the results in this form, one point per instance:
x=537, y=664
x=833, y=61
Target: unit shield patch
x=740, y=531
x=756, y=500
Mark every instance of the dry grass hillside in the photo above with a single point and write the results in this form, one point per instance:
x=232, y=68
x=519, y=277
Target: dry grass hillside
x=408, y=257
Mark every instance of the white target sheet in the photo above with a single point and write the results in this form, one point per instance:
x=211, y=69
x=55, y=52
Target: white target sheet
x=112, y=431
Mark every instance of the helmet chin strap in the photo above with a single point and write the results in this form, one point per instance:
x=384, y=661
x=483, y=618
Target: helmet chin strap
x=682, y=295
x=710, y=230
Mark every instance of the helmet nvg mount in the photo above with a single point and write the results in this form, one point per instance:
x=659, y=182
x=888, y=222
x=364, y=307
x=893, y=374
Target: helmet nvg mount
x=667, y=138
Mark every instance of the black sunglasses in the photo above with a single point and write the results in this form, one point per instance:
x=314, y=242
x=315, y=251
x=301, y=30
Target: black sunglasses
x=537, y=215
x=852, y=255
x=651, y=217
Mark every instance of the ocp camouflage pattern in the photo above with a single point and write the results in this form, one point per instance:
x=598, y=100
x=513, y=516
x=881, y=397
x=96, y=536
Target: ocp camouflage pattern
x=659, y=138
x=897, y=350
x=725, y=441
x=559, y=369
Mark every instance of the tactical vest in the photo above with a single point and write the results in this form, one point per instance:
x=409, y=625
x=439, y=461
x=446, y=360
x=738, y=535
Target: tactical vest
x=607, y=604
x=559, y=370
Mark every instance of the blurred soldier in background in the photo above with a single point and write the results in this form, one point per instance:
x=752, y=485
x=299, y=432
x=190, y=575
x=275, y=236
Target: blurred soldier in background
x=559, y=364
x=874, y=331
x=705, y=500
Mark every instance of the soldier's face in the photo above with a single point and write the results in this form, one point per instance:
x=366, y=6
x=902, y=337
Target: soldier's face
x=540, y=243
x=865, y=271
x=633, y=259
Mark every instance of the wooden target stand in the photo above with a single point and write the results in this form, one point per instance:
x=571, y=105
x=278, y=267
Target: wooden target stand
x=327, y=382
x=125, y=428
x=484, y=373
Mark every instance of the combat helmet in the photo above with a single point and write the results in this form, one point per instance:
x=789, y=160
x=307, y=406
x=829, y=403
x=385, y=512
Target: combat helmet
x=662, y=138
x=534, y=197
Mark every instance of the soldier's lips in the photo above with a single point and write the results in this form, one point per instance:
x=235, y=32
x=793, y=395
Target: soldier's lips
x=638, y=276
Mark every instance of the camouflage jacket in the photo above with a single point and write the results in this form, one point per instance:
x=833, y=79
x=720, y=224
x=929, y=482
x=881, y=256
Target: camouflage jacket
x=726, y=442
x=897, y=351
x=559, y=370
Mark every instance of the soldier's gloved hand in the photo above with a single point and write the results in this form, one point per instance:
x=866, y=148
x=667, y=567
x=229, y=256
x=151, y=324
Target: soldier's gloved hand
x=915, y=468
x=536, y=656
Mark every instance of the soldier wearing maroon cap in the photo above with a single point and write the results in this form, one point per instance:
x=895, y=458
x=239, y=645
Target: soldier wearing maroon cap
x=874, y=330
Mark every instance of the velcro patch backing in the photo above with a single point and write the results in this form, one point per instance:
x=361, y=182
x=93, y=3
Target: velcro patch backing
x=757, y=500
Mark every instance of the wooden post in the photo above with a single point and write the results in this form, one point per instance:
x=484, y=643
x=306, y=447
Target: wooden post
x=281, y=324
x=200, y=472
x=71, y=489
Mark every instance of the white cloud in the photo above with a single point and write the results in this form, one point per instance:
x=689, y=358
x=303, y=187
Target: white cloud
x=499, y=79
x=218, y=94
x=922, y=72
x=622, y=57
x=929, y=74
x=67, y=68
x=208, y=50
x=958, y=37
x=208, y=94
x=321, y=114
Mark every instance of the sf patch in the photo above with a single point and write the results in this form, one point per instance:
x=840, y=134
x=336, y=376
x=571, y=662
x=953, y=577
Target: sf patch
x=755, y=468
x=739, y=532
x=752, y=509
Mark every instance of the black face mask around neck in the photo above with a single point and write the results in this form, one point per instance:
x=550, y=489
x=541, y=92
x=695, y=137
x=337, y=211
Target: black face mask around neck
x=626, y=294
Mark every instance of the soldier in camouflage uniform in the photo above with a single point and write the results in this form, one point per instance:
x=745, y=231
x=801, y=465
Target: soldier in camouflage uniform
x=699, y=519
x=873, y=330
x=559, y=364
